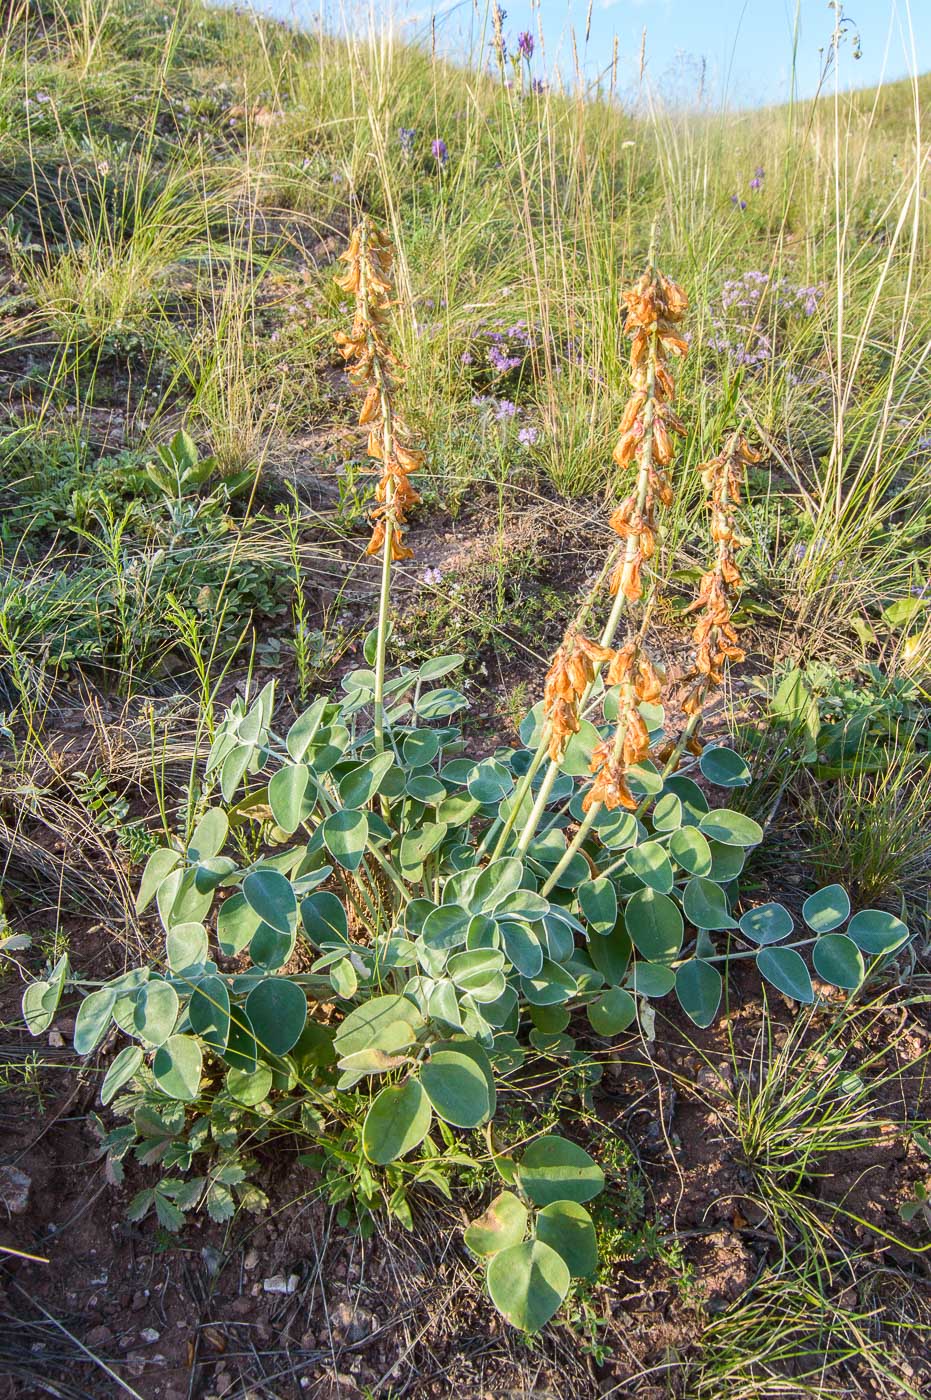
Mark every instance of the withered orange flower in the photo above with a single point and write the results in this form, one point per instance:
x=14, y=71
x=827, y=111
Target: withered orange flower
x=715, y=637
x=654, y=307
x=571, y=673
x=371, y=364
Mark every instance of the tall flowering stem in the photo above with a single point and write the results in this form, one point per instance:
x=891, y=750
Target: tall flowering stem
x=372, y=365
x=715, y=637
x=654, y=308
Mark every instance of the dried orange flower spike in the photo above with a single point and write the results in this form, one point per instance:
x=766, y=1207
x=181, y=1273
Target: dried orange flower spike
x=715, y=637
x=648, y=424
x=371, y=364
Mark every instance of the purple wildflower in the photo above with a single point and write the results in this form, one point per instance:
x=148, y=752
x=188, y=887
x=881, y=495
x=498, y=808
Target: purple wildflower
x=737, y=202
x=756, y=183
x=467, y=358
x=407, y=136
x=440, y=150
x=525, y=44
x=432, y=576
x=505, y=410
x=538, y=86
x=527, y=436
x=501, y=361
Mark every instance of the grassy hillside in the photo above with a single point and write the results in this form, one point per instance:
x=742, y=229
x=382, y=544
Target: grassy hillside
x=176, y=186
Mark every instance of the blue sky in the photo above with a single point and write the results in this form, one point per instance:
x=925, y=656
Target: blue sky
x=739, y=51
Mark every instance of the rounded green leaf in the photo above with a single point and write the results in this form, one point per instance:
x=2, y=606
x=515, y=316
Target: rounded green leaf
x=185, y=946
x=650, y=863
x=92, y=1019
x=271, y=896
x=876, y=932
x=726, y=861
x=617, y=829
x=527, y=1283
x=694, y=802
x=177, y=1067
x=241, y=1050
x=767, y=923
x=437, y=666
x=598, y=903
x=522, y=947
x=654, y=924
x=397, y=1121
x=826, y=909
x=302, y=731
x=209, y=1013
x=554, y=1169
x=705, y=905
x=731, y=828
x=156, y=1012
x=359, y=786
x=645, y=779
x=438, y=704
x=612, y=1013
x=838, y=960
x=369, y=1024
x=552, y=985
x=345, y=835
x=249, y=1088
x=210, y=835
x=611, y=954
x=277, y=1010
x=668, y=813
x=270, y=949
x=457, y=1088
x=550, y=1018
x=474, y=972
x=236, y=924
x=420, y=748
x=496, y=883
x=40, y=999
x=181, y=900
x=651, y=979
x=690, y=849
x=158, y=867
x=568, y=1228
x=724, y=767
x=291, y=796
x=504, y=1224
x=489, y=781
x=698, y=987
x=121, y=1071
x=785, y=970
x=446, y=927
x=324, y=918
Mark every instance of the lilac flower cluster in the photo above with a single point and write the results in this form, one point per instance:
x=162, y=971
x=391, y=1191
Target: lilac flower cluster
x=506, y=411
x=745, y=293
x=756, y=184
x=505, y=349
x=735, y=329
x=525, y=45
x=440, y=150
x=407, y=136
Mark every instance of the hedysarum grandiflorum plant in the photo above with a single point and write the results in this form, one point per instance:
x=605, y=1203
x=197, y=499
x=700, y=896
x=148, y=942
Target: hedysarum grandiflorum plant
x=457, y=916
